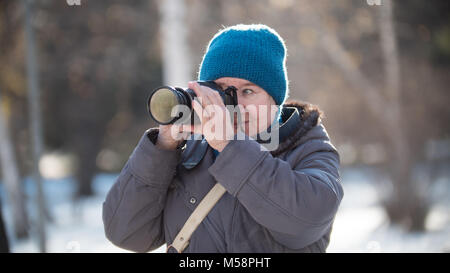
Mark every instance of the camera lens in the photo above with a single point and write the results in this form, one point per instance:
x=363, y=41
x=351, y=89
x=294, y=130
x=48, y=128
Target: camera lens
x=162, y=103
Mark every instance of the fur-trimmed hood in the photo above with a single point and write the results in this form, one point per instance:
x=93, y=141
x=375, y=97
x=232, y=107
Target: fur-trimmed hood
x=310, y=116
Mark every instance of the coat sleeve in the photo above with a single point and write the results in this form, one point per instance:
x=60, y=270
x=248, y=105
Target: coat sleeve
x=132, y=211
x=296, y=204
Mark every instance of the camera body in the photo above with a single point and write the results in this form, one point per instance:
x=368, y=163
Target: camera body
x=162, y=100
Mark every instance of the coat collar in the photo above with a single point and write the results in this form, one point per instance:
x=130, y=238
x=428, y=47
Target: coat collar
x=297, y=119
x=297, y=122
x=290, y=118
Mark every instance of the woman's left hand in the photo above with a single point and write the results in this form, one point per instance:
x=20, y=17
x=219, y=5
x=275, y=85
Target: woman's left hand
x=215, y=118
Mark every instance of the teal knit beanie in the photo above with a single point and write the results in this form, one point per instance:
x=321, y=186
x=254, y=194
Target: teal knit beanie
x=252, y=52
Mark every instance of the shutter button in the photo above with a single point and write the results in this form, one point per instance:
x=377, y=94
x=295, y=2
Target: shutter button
x=193, y=200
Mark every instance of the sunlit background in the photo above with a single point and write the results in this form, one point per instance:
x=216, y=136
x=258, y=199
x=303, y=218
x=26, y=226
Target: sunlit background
x=75, y=75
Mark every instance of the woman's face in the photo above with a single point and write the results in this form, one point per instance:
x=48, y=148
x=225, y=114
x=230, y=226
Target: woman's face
x=259, y=106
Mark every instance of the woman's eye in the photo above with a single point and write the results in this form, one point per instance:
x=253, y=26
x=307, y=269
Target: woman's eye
x=247, y=91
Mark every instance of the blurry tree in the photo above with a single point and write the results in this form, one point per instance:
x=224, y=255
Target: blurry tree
x=406, y=203
x=403, y=203
x=35, y=118
x=11, y=93
x=100, y=63
x=11, y=177
x=175, y=49
x=4, y=243
x=204, y=19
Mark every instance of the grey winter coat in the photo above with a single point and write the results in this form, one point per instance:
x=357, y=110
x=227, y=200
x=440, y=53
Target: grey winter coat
x=279, y=201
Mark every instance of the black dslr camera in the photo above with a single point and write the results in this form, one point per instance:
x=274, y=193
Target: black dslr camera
x=162, y=100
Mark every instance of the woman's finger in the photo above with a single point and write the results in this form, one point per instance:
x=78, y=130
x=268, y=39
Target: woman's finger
x=201, y=95
x=207, y=95
x=215, y=101
x=216, y=98
x=201, y=113
x=195, y=86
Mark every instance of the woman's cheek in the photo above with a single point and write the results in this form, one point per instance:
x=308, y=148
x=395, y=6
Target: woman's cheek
x=260, y=122
x=264, y=118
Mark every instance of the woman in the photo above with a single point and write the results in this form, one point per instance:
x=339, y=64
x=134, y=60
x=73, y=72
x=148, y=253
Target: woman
x=282, y=200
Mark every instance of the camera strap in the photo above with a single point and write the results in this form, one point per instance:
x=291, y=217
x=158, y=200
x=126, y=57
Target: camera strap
x=181, y=241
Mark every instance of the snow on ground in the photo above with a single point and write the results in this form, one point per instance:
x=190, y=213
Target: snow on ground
x=360, y=224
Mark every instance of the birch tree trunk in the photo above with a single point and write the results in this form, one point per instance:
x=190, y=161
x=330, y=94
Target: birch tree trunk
x=174, y=44
x=406, y=205
x=35, y=123
x=11, y=178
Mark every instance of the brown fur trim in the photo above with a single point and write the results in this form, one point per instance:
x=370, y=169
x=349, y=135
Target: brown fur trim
x=310, y=116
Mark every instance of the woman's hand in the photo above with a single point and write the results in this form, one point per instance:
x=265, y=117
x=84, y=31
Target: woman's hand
x=215, y=118
x=170, y=136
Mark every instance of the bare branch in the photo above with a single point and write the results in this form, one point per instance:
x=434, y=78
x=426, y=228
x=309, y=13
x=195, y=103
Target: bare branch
x=387, y=40
x=341, y=58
